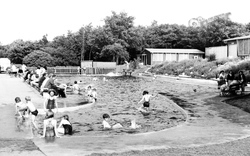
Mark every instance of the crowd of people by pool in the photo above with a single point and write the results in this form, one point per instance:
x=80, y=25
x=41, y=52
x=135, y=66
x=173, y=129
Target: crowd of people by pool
x=48, y=86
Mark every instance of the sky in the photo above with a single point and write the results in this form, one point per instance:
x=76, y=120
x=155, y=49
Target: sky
x=31, y=19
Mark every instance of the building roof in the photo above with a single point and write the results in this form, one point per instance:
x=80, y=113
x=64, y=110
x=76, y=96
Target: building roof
x=162, y=51
x=237, y=38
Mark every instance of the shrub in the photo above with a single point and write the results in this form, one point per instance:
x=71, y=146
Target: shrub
x=202, y=68
x=211, y=57
x=38, y=58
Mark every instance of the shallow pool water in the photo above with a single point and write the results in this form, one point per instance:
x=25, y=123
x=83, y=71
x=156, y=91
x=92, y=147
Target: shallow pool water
x=119, y=97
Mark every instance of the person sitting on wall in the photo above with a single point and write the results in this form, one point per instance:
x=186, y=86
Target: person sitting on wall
x=50, y=84
x=221, y=79
x=230, y=78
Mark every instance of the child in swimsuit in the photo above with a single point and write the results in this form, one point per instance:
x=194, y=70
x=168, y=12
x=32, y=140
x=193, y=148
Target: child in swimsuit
x=51, y=101
x=146, y=101
x=49, y=125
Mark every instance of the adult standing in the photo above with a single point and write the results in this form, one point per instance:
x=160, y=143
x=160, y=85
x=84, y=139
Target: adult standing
x=24, y=67
x=242, y=80
x=14, y=70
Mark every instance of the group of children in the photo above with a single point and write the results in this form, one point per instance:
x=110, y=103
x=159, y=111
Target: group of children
x=50, y=129
x=91, y=93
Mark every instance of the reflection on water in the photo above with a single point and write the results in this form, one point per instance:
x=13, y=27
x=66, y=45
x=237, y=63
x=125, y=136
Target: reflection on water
x=50, y=139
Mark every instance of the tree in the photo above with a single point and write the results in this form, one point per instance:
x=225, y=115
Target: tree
x=38, y=58
x=119, y=29
x=213, y=33
x=19, y=49
x=115, y=51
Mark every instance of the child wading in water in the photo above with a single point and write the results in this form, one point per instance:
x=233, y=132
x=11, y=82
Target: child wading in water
x=93, y=95
x=65, y=126
x=145, y=99
x=21, y=108
x=49, y=125
x=32, y=109
x=51, y=101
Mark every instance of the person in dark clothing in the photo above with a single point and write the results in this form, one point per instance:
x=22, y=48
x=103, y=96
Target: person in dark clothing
x=40, y=82
x=242, y=80
x=230, y=77
x=51, y=102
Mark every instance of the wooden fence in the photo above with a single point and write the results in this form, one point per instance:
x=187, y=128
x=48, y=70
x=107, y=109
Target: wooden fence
x=78, y=70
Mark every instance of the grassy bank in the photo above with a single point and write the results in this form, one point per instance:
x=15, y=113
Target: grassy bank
x=202, y=68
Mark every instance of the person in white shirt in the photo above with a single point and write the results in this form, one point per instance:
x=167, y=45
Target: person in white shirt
x=42, y=70
x=32, y=109
x=106, y=124
x=76, y=88
x=24, y=67
x=14, y=70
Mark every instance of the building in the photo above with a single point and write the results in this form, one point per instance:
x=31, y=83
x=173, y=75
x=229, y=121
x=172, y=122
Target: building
x=220, y=52
x=154, y=56
x=236, y=47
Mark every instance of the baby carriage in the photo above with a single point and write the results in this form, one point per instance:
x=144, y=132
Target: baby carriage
x=227, y=90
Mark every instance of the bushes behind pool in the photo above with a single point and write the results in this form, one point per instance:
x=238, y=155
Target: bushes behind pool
x=202, y=68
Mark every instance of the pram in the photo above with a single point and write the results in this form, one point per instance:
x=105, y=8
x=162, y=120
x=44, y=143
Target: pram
x=228, y=90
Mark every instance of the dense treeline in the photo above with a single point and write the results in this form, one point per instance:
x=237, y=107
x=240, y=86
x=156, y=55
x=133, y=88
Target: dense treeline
x=119, y=40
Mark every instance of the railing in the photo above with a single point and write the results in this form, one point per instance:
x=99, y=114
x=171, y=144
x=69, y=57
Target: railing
x=64, y=70
x=76, y=70
x=97, y=70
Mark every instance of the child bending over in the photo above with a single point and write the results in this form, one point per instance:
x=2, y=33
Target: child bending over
x=21, y=108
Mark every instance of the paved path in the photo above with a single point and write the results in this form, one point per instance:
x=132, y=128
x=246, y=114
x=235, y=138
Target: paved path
x=200, y=131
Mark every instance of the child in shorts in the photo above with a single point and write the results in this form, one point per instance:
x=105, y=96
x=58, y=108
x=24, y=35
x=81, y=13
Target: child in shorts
x=146, y=101
x=21, y=108
x=32, y=109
